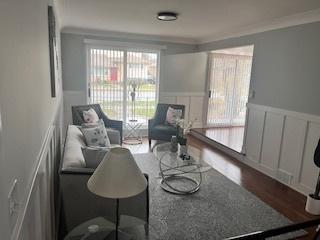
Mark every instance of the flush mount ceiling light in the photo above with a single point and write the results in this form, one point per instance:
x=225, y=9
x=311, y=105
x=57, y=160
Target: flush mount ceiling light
x=167, y=16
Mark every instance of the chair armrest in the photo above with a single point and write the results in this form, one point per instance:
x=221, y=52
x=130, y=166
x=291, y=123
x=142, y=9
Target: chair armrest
x=151, y=122
x=114, y=136
x=115, y=124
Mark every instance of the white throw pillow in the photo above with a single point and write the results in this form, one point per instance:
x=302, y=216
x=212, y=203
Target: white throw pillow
x=173, y=116
x=96, y=135
x=93, y=155
x=90, y=116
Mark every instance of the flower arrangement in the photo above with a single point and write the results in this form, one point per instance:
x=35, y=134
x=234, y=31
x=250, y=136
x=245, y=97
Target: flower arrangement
x=184, y=127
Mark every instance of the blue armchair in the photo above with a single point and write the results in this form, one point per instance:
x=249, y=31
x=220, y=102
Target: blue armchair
x=77, y=117
x=157, y=128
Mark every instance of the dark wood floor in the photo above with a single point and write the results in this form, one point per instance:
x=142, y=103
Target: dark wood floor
x=285, y=200
x=231, y=137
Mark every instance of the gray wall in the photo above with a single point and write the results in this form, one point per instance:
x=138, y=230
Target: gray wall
x=286, y=67
x=74, y=57
x=184, y=72
x=26, y=106
x=285, y=72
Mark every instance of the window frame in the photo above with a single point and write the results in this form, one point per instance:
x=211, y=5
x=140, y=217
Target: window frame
x=125, y=47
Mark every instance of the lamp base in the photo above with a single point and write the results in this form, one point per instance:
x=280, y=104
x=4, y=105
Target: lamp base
x=121, y=236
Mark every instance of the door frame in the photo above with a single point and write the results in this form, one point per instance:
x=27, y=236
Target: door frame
x=207, y=89
x=208, y=84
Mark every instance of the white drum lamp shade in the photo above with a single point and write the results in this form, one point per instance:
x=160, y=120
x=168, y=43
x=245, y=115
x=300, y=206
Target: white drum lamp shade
x=117, y=176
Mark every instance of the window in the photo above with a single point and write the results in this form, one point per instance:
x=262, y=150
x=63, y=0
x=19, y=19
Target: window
x=124, y=82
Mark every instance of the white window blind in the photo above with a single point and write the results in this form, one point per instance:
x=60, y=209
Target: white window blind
x=114, y=74
x=229, y=88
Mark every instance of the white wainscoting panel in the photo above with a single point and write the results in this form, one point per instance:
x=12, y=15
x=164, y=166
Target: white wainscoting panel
x=37, y=218
x=281, y=144
x=183, y=100
x=254, y=135
x=196, y=111
x=271, y=142
x=193, y=102
x=292, y=148
x=309, y=172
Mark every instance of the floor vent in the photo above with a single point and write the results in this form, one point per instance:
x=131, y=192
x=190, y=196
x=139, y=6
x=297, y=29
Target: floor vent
x=284, y=176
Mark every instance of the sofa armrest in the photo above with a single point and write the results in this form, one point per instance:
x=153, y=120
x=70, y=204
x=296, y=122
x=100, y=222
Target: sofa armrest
x=80, y=205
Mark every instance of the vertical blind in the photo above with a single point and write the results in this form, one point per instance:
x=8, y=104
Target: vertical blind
x=229, y=77
x=123, y=82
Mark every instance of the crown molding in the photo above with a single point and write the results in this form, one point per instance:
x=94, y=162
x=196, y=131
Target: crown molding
x=129, y=36
x=288, y=21
x=126, y=45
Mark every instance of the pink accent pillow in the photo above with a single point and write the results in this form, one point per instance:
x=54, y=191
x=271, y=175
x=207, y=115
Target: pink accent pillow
x=90, y=116
x=173, y=116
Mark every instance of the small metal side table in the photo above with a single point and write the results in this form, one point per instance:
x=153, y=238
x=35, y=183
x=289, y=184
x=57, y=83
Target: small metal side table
x=133, y=135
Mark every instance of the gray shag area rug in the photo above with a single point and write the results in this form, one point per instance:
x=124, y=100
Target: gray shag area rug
x=220, y=209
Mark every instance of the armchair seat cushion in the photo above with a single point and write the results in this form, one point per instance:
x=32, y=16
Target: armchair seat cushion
x=160, y=128
x=164, y=132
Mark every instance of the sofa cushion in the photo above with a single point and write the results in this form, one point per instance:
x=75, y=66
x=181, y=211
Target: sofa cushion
x=173, y=116
x=73, y=157
x=93, y=155
x=96, y=135
x=90, y=116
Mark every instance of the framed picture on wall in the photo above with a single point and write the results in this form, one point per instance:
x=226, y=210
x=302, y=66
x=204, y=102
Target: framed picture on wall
x=53, y=53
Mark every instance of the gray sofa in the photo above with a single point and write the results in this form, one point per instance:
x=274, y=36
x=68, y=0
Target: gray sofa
x=78, y=203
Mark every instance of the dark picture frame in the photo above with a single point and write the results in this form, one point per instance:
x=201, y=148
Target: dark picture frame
x=53, y=53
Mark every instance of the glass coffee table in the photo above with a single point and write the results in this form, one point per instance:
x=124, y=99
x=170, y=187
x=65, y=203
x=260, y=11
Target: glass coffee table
x=180, y=176
x=100, y=228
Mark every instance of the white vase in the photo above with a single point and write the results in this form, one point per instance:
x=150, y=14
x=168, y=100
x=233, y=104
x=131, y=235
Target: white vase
x=313, y=205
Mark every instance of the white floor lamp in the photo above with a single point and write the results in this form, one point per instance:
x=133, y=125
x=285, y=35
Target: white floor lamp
x=117, y=176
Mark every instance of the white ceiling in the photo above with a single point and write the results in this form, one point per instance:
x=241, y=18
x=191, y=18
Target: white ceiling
x=198, y=21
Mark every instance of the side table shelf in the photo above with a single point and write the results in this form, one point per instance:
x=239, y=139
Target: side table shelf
x=132, y=134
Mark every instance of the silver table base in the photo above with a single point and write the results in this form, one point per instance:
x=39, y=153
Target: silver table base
x=166, y=185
